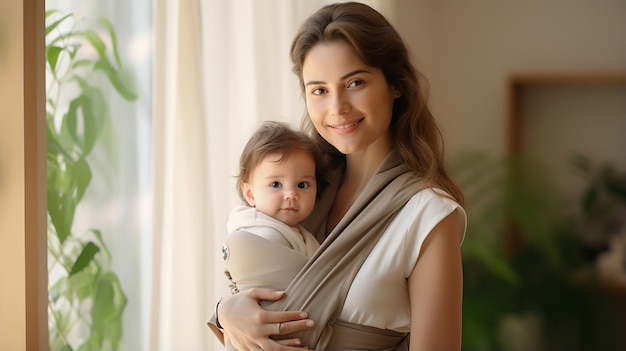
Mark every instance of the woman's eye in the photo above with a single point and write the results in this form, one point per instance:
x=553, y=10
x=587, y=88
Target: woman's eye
x=275, y=185
x=318, y=91
x=355, y=83
x=303, y=185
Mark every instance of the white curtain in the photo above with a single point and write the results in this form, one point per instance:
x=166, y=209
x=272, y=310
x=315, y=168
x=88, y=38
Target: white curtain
x=220, y=68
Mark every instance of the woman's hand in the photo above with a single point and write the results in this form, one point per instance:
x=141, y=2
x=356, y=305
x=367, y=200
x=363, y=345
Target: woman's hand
x=250, y=327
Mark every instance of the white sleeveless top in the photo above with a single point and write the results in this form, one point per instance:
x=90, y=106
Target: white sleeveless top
x=379, y=295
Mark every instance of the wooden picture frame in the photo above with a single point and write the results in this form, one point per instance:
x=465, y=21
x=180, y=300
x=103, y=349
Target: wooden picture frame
x=516, y=82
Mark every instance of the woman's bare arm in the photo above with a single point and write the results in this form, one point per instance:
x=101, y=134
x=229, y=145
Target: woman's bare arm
x=250, y=327
x=436, y=289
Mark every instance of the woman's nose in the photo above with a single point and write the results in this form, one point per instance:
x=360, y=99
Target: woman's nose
x=340, y=104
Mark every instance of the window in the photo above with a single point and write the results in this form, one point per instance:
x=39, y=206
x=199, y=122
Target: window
x=117, y=202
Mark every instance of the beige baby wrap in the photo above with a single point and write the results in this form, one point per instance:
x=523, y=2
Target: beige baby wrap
x=321, y=286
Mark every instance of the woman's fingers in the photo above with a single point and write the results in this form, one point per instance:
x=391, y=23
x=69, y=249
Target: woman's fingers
x=265, y=294
x=290, y=342
x=291, y=325
x=286, y=322
x=249, y=326
x=293, y=344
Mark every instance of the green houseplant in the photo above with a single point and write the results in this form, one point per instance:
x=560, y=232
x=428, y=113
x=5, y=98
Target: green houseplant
x=85, y=298
x=529, y=280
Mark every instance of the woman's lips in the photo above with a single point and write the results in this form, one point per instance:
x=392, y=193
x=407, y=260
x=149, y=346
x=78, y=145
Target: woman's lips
x=347, y=127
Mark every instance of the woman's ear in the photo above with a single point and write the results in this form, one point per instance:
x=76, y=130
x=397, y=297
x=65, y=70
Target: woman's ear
x=396, y=93
x=246, y=190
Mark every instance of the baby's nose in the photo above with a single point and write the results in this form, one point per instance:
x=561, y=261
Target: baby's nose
x=290, y=195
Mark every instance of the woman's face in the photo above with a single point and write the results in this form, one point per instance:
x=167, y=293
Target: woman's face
x=350, y=103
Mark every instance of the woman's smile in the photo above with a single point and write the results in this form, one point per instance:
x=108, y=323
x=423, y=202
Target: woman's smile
x=346, y=128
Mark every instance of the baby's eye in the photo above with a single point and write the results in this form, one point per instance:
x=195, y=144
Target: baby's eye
x=303, y=185
x=355, y=83
x=318, y=91
x=275, y=185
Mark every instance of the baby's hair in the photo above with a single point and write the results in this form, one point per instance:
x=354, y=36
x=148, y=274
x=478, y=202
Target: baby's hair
x=276, y=137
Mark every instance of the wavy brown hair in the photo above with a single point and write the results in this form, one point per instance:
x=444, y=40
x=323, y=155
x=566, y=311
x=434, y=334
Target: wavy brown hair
x=415, y=134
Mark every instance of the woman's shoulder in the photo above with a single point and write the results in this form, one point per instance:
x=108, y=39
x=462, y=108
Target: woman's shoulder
x=428, y=207
x=430, y=196
x=414, y=222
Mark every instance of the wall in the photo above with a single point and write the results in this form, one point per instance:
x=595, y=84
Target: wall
x=467, y=49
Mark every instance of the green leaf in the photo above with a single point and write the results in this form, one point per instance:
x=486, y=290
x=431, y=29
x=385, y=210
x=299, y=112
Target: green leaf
x=73, y=49
x=80, y=122
x=94, y=342
x=61, y=208
x=66, y=41
x=54, y=146
x=109, y=27
x=87, y=134
x=82, y=176
x=498, y=266
x=52, y=54
x=103, y=246
x=85, y=257
x=51, y=12
x=107, y=308
x=56, y=23
x=91, y=116
x=116, y=80
x=69, y=125
x=81, y=63
x=114, y=329
x=96, y=42
x=83, y=284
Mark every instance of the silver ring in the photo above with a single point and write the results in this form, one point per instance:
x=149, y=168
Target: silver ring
x=280, y=328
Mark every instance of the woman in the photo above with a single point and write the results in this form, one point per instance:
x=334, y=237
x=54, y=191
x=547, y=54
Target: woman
x=391, y=221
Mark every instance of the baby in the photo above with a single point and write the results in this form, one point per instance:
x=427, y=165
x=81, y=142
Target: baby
x=278, y=180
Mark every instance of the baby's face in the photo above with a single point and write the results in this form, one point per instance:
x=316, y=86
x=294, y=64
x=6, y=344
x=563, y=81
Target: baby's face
x=283, y=190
